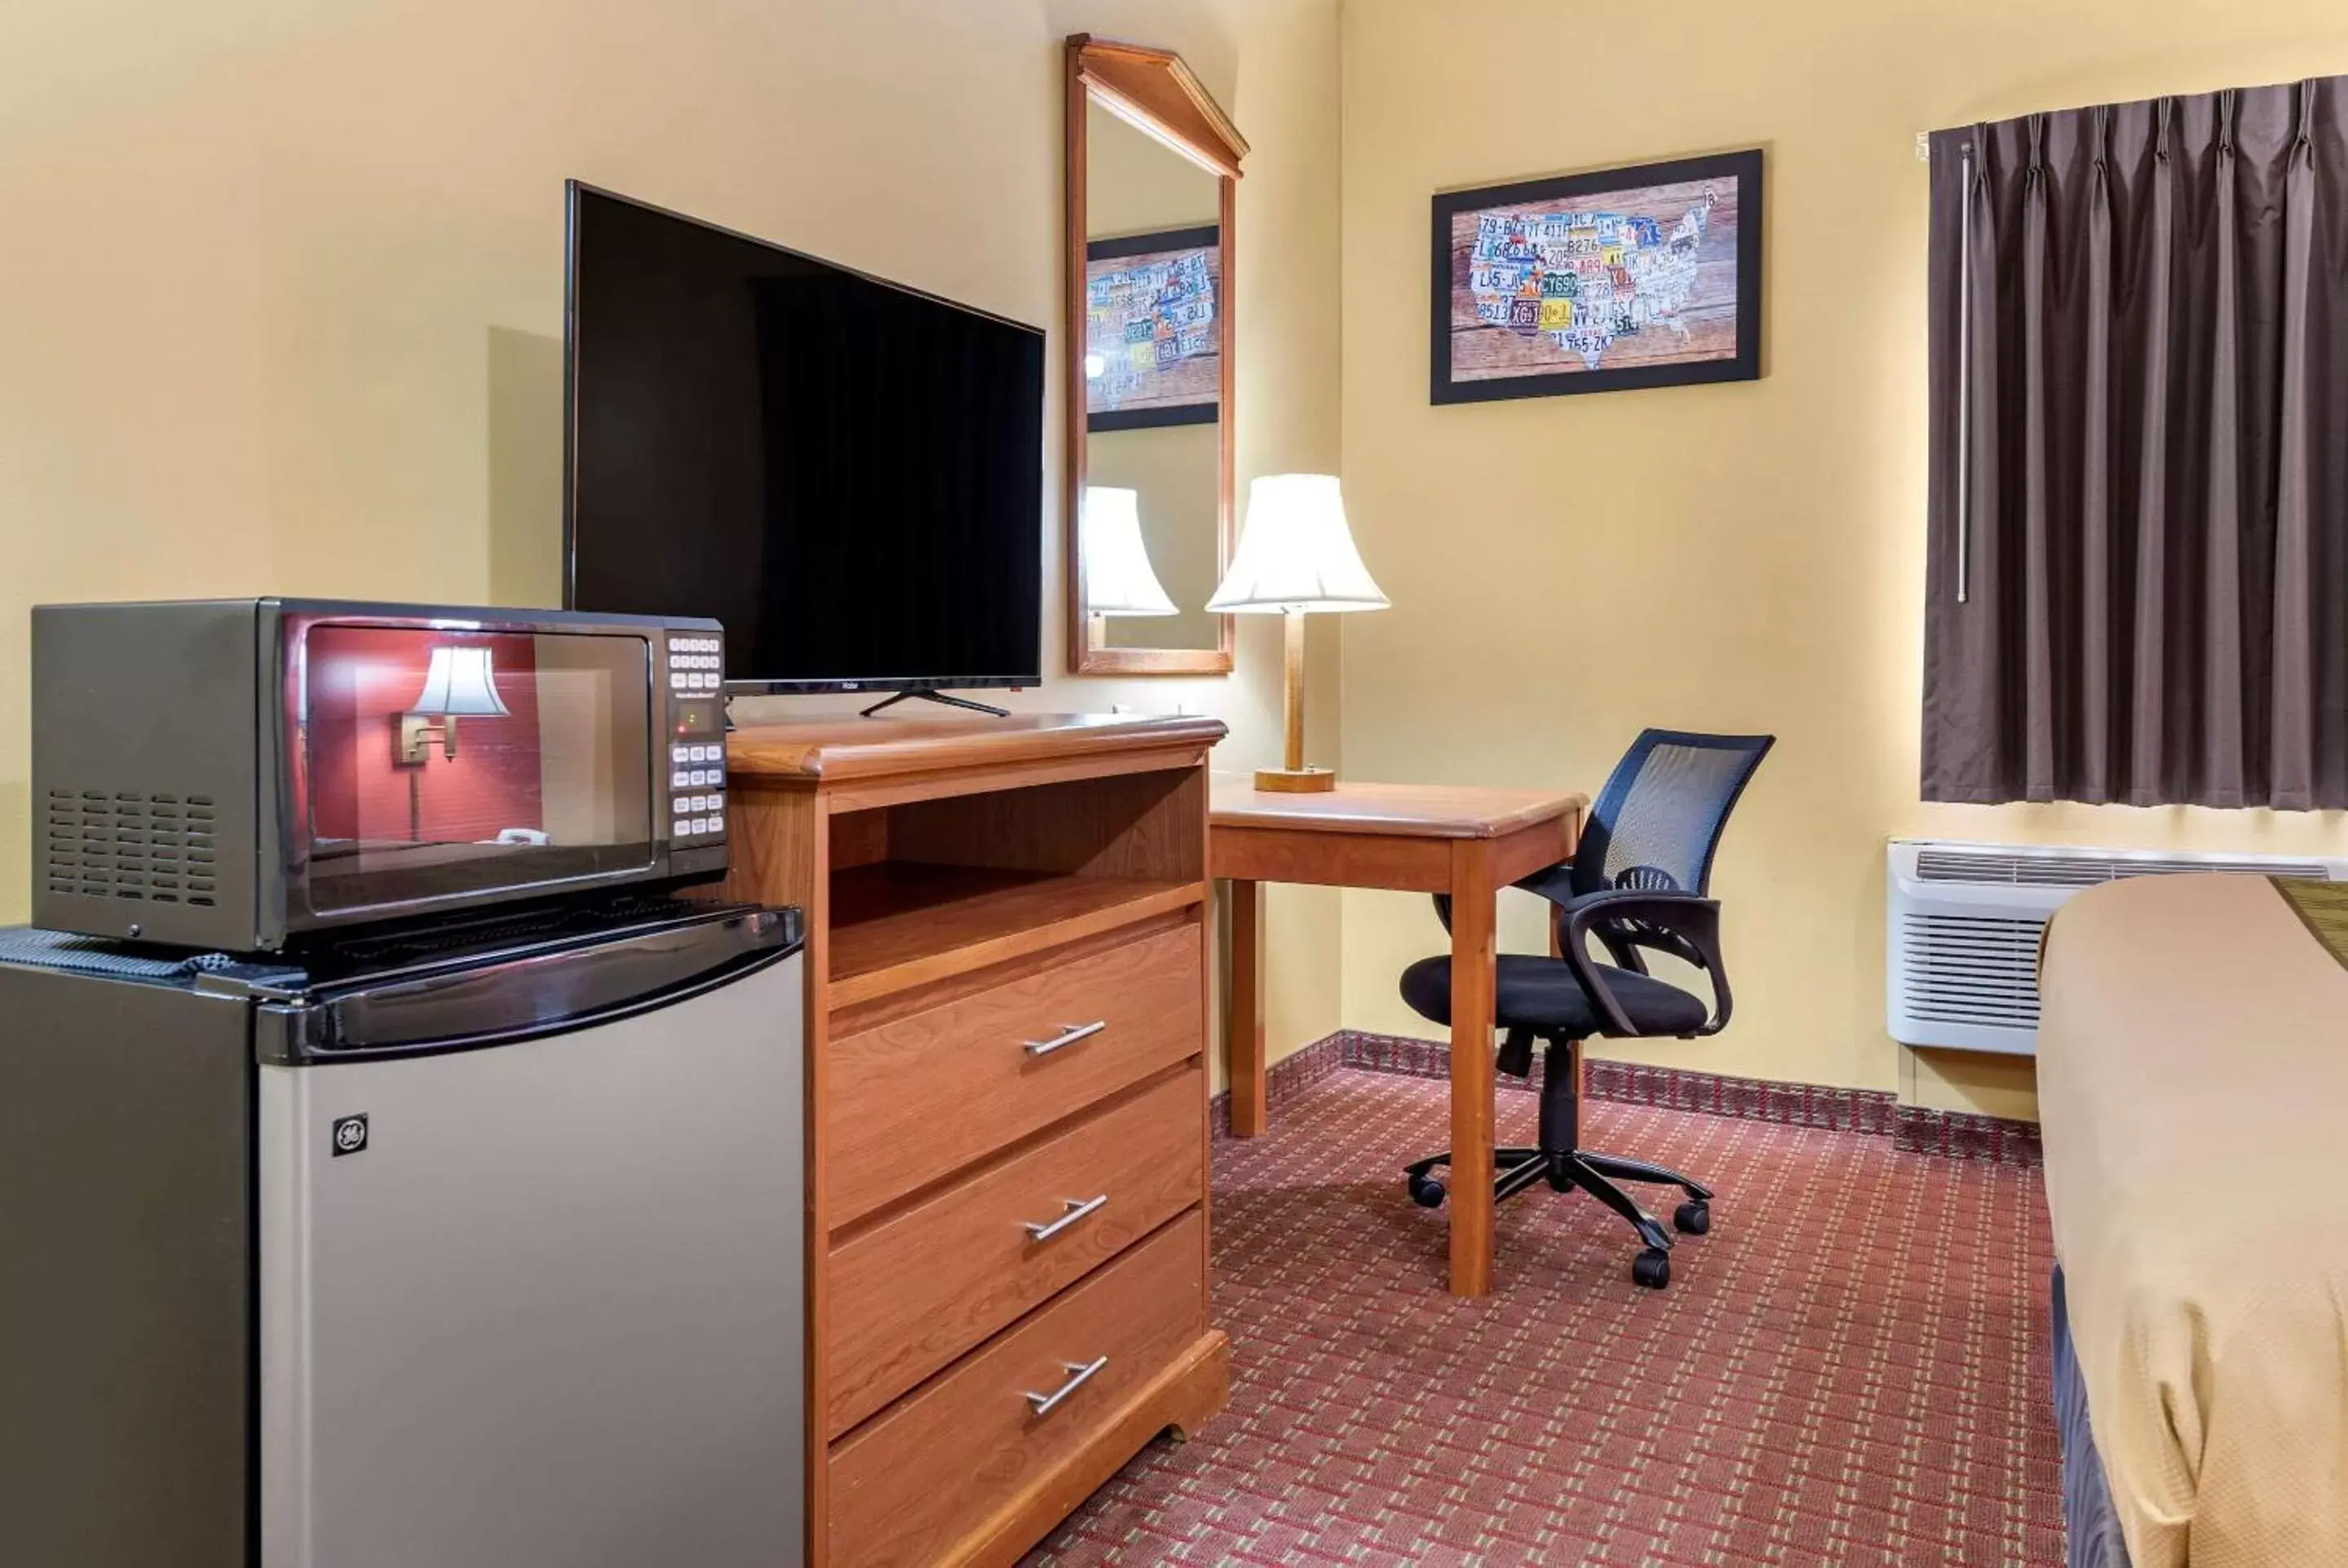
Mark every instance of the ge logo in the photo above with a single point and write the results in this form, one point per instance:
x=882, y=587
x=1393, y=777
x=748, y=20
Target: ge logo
x=350, y=1135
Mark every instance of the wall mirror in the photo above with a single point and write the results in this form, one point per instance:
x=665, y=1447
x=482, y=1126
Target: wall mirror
x=1152, y=165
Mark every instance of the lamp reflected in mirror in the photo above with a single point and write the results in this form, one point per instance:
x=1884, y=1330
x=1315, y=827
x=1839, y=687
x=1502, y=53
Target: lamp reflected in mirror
x=1118, y=579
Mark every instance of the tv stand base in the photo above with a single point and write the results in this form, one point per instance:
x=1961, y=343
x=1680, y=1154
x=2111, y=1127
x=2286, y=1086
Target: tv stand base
x=936, y=697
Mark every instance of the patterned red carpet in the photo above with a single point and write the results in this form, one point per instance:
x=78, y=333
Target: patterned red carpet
x=1850, y=1369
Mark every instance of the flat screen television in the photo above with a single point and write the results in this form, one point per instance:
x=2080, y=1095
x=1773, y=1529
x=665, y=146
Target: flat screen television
x=847, y=473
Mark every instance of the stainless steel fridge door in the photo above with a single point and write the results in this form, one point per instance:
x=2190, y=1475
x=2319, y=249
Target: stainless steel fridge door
x=539, y=1305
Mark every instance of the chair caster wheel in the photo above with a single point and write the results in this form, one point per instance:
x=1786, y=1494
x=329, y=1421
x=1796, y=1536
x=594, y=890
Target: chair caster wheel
x=1652, y=1269
x=1693, y=1218
x=1427, y=1192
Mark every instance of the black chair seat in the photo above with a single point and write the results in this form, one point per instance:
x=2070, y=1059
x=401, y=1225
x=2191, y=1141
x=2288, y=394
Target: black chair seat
x=1541, y=995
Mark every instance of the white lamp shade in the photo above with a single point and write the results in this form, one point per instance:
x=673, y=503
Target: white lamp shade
x=1118, y=577
x=460, y=684
x=1296, y=552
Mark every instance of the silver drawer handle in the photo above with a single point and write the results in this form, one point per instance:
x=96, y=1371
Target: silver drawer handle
x=1069, y=1034
x=1079, y=1374
x=1077, y=1209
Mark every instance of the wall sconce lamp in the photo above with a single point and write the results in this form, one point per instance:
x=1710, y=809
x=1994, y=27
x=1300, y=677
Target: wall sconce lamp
x=458, y=683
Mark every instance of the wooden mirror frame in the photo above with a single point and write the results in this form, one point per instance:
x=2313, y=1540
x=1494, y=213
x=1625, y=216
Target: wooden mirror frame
x=1153, y=91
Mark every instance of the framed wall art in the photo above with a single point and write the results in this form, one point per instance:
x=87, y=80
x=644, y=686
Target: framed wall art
x=1646, y=276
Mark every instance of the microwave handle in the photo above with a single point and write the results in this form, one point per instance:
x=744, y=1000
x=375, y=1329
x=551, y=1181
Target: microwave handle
x=524, y=997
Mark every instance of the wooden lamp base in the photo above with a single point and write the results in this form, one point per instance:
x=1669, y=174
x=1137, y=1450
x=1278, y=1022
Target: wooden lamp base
x=1295, y=781
x=1294, y=777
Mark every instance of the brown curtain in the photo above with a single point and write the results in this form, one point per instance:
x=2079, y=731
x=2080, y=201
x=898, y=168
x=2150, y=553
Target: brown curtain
x=2138, y=563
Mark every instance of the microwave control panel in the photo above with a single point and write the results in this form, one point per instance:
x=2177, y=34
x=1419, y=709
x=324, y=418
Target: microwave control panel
x=696, y=737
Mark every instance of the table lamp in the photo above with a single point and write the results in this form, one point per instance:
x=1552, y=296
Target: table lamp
x=1117, y=575
x=1297, y=557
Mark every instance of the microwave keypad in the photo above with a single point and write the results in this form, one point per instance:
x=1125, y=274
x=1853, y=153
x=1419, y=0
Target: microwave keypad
x=697, y=768
x=695, y=664
x=696, y=789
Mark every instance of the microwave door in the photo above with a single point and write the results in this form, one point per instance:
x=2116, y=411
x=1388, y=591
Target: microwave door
x=444, y=765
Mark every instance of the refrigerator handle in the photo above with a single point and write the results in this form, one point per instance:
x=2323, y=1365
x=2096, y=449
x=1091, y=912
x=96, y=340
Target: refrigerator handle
x=525, y=997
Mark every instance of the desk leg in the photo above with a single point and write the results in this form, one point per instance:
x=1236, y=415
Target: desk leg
x=1245, y=1033
x=1473, y=898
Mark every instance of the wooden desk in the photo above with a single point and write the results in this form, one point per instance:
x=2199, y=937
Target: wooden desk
x=1418, y=839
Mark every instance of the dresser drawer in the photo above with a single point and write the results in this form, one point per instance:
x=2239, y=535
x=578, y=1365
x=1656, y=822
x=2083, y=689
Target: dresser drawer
x=921, y=1096
x=919, y=1289
x=913, y=1481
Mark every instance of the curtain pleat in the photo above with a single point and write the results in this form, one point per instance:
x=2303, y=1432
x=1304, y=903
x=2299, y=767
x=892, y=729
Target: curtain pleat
x=2220, y=709
x=2148, y=660
x=2038, y=620
x=2292, y=743
x=2139, y=364
x=2099, y=304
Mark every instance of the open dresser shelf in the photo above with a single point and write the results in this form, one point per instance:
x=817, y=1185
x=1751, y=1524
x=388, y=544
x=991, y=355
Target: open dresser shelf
x=901, y=923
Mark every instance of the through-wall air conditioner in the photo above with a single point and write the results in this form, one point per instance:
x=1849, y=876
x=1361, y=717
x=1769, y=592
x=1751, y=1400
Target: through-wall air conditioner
x=1963, y=923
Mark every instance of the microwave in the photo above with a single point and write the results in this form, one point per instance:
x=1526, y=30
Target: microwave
x=232, y=775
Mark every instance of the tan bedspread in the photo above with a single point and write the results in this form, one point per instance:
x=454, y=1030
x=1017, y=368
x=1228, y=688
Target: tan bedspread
x=2193, y=1085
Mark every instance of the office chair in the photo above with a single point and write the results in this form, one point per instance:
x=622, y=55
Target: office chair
x=1638, y=880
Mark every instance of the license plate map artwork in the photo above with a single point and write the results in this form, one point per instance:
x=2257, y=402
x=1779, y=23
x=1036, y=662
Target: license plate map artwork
x=1554, y=289
x=1151, y=338
x=1582, y=279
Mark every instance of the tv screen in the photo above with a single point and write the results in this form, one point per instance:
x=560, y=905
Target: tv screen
x=847, y=473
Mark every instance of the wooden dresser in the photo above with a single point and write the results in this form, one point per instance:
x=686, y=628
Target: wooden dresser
x=1007, y=1092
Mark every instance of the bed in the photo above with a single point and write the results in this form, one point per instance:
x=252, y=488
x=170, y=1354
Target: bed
x=2193, y=1093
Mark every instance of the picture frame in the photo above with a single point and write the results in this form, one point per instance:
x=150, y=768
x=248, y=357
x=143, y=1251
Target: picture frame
x=1169, y=285
x=1670, y=253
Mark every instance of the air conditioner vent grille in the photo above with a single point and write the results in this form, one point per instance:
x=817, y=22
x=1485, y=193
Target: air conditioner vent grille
x=1997, y=868
x=155, y=848
x=1971, y=969
x=1962, y=924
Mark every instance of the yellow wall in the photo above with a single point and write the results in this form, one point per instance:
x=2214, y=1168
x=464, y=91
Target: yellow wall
x=1565, y=570
x=281, y=281
x=280, y=311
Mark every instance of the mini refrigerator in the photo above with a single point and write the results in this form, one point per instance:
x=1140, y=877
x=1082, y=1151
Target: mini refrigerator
x=478, y=1246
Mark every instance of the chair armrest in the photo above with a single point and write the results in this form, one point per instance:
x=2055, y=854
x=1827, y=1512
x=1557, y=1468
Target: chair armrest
x=1683, y=923
x=1623, y=938
x=1553, y=883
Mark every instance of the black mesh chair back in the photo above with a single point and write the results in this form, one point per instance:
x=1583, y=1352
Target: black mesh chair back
x=1659, y=818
